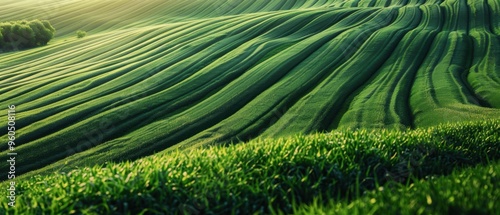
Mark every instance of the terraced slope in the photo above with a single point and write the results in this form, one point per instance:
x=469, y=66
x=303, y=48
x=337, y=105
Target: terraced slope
x=158, y=74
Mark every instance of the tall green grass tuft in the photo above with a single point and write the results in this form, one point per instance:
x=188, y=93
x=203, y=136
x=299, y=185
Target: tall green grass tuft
x=264, y=175
x=81, y=34
x=473, y=191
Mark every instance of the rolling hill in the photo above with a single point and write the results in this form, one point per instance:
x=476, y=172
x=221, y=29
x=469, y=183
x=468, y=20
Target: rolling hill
x=158, y=75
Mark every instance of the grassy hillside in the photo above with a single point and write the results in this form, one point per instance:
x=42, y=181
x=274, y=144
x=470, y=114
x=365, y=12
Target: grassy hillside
x=156, y=73
x=351, y=172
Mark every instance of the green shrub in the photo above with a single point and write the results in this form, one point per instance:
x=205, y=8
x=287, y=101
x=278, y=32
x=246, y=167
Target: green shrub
x=81, y=34
x=43, y=31
x=25, y=34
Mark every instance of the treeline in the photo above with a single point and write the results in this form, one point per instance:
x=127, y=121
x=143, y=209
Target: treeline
x=25, y=34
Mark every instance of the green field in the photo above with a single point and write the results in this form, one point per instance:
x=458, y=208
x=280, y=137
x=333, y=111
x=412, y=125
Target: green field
x=171, y=76
x=292, y=174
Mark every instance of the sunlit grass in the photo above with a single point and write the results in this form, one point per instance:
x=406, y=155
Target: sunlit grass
x=274, y=174
x=470, y=191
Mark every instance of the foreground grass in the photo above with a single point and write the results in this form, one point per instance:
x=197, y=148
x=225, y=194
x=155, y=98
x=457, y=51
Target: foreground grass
x=267, y=175
x=473, y=191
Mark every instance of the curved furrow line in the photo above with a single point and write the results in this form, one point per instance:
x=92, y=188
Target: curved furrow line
x=494, y=8
x=412, y=3
x=452, y=101
x=423, y=90
x=483, y=76
x=295, y=4
x=77, y=14
x=314, y=3
x=288, y=4
x=354, y=3
x=277, y=32
x=170, y=41
x=123, y=17
x=400, y=3
x=305, y=4
x=58, y=86
x=383, y=102
x=56, y=9
x=309, y=112
x=419, y=2
x=49, y=52
x=143, y=88
x=184, y=31
x=457, y=15
x=264, y=110
x=457, y=21
x=431, y=2
x=147, y=57
x=52, y=57
x=151, y=11
x=137, y=34
x=373, y=3
x=123, y=13
x=214, y=50
x=31, y=57
x=285, y=5
x=175, y=41
x=259, y=75
x=385, y=3
x=323, y=118
x=68, y=17
x=386, y=92
x=15, y=9
x=180, y=12
x=278, y=6
x=364, y=3
x=81, y=56
x=340, y=4
x=480, y=17
x=81, y=51
x=8, y=3
x=298, y=4
x=253, y=6
x=224, y=8
x=239, y=7
x=214, y=108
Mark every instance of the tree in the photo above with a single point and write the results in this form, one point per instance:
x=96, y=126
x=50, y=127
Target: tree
x=25, y=34
x=40, y=32
x=81, y=34
x=1, y=40
x=5, y=29
x=48, y=26
x=22, y=36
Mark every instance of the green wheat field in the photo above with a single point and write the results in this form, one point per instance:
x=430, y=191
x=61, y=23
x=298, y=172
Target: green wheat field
x=254, y=107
